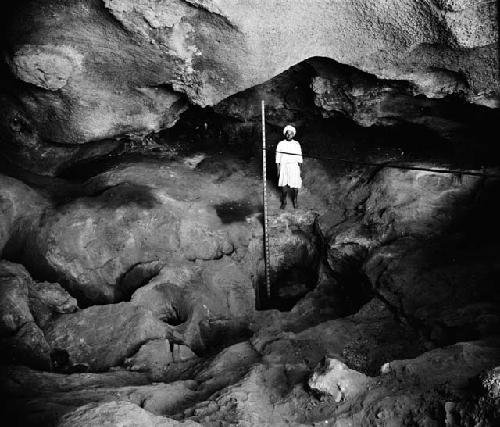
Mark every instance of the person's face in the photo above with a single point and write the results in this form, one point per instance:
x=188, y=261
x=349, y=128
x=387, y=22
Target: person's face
x=288, y=135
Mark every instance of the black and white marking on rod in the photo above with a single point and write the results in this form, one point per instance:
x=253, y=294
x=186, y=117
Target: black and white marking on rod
x=267, y=256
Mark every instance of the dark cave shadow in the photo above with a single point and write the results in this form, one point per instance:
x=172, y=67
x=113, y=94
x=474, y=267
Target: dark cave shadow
x=123, y=194
x=236, y=211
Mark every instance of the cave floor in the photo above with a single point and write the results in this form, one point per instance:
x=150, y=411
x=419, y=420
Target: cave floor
x=382, y=338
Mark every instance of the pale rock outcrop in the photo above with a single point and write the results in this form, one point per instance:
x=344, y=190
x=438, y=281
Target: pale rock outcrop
x=49, y=67
x=336, y=379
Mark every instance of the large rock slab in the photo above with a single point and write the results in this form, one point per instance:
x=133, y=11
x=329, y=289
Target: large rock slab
x=21, y=381
x=103, y=336
x=124, y=414
x=102, y=248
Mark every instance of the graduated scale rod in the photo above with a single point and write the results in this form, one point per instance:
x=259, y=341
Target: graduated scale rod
x=267, y=257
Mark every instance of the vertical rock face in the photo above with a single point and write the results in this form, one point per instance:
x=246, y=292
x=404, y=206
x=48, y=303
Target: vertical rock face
x=92, y=71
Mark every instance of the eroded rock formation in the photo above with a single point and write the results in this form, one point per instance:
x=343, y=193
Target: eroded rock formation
x=77, y=76
x=132, y=284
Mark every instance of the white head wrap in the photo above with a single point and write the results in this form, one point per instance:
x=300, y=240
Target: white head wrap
x=289, y=128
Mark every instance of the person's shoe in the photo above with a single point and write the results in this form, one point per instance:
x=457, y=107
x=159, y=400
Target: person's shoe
x=295, y=204
x=283, y=205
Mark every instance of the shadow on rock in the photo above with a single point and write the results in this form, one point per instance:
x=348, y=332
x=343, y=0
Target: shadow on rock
x=126, y=194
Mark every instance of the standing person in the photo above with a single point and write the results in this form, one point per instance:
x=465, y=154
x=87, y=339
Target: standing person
x=288, y=161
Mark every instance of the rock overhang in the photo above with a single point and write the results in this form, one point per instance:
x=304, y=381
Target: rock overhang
x=96, y=70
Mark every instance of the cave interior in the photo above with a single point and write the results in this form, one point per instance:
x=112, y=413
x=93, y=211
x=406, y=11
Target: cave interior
x=133, y=227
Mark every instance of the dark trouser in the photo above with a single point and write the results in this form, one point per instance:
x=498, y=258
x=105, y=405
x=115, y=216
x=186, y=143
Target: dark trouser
x=284, y=191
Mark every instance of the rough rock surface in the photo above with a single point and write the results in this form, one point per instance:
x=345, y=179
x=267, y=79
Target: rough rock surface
x=51, y=395
x=14, y=308
x=103, y=336
x=135, y=218
x=20, y=208
x=203, y=52
x=164, y=294
x=207, y=305
x=117, y=413
x=156, y=356
x=49, y=299
x=22, y=340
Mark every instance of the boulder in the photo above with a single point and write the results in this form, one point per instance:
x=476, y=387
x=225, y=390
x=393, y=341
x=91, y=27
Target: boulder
x=103, y=247
x=124, y=226
x=47, y=299
x=336, y=379
x=103, y=336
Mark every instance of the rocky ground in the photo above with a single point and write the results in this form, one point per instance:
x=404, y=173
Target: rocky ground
x=131, y=298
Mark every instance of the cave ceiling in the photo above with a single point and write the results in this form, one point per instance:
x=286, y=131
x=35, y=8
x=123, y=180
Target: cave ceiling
x=78, y=75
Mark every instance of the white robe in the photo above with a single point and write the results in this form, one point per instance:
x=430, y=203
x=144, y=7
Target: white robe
x=289, y=163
